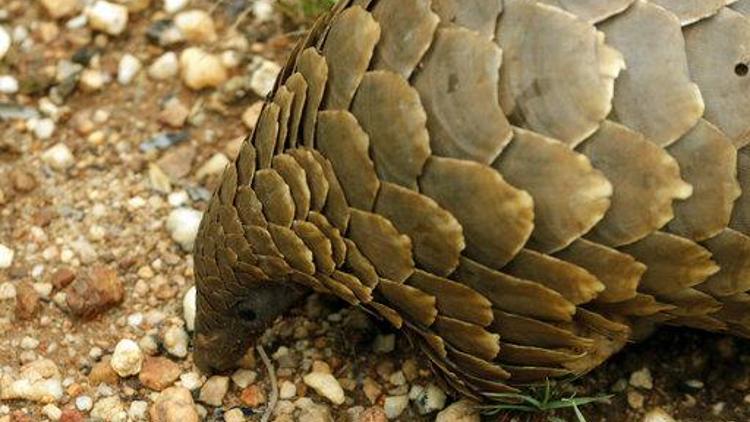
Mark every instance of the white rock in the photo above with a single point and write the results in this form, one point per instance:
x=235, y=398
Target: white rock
x=84, y=403
x=263, y=10
x=657, y=415
x=326, y=385
x=42, y=128
x=191, y=380
x=5, y=42
x=394, y=406
x=61, y=8
x=460, y=411
x=6, y=256
x=127, y=358
x=642, y=379
x=182, y=224
x=58, y=157
x=264, y=77
x=164, y=67
x=29, y=343
x=244, y=377
x=93, y=80
x=234, y=415
x=41, y=390
x=196, y=26
x=172, y=6
x=128, y=68
x=8, y=84
x=201, y=69
x=213, y=167
x=7, y=291
x=431, y=399
x=188, y=309
x=214, y=390
x=138, y=410
x=52, y=412
x=178, y=199
x=108, y=17
x=109, y=409
x=77, y=22
x=176, y=341
x=287, y=390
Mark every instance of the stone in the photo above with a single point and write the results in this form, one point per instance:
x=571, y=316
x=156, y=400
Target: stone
x=201, y=69
x=71, y=415
x=62, y=277
x=5, y=42
x=61, y=8
x=102, y=372
x=287, y=390
x=244, y=377
x=24, y=182
x=431, y=399
x=372, y=414
x=253, y=396
x=182, y=224
x=8, y=84
x=642, y=379
x=107, y=17
x=176, y=341
x=58, y=157
x=158, y=179
x=460, y=411
x=6, y=256
x=234, y=415
x=174, y=113
x=315, y=413
x=93, y=80
x=177, y=161
x=172, y=6
x=84, y=403
x=109, y=409
x=175, y=404
x=52, y=412
x=127, y=358
x=38, y=381
x=191, y=380
x=7, y=291
x=128, y=68
x=384, y=343
x=196, y=26
x=164, y=67
x=42, y=128
x=94, y=293
x=158, y=373
x=188, y=308
x=326, y=385
x=27, y=301
x=657, y=415
x=251, y=114
x=213, y=391
x=138, y=410
x=635, y=399
x=213, y=167
x=264, y=76
x=394, y=406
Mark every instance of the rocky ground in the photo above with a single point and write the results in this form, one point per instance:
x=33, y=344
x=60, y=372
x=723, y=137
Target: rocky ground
x=116, y=119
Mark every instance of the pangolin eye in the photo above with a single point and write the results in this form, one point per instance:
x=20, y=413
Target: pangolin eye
x=245, y=312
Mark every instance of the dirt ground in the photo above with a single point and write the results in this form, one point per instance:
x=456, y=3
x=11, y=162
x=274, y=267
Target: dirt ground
x=91, y=171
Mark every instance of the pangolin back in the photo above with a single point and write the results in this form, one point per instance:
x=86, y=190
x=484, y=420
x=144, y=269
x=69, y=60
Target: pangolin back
x=520, y=186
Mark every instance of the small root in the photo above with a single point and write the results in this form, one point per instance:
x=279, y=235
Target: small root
x=274, y=385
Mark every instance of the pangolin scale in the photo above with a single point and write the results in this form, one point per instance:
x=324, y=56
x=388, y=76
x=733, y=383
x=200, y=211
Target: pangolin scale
x=520, y=186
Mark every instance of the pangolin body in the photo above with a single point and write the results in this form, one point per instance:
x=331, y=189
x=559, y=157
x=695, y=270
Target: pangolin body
x=520, y=186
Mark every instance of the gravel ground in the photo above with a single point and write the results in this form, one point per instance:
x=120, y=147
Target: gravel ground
x=117, y=120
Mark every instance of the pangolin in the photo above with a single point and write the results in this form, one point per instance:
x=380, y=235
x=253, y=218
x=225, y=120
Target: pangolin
x=519, y=186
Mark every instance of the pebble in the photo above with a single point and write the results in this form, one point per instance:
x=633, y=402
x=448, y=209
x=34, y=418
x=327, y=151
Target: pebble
x=5, y=42
x=657, y=415
x=6, y=256
x=326, y=385
x=253, y=396
x=8, y=84
x=394, y=406
x=164, y=67
x=93, y=80
x=84, y=403
x=244, y=377
x=158, y=373
x=182, y=225
x=196, y=26
x=163, y=141
x=371, y=414
x=172, y=6
x=213, y=391
x=234, y=415
x=176, y=341
x=61, y=8
x=52, y=412
x=158, y=179
x=177, y=162
x=128, y=68
x=59, y=157
x=251, y=114
x=215, y=166
x=7, y=291
x=642, y=379
x=95, y=292
x=263, y=10
x=174, y=113
x=102, y=372
x=188, y=309
x=27, y=301
x=384, y=343
x=127, y=358
x=29, y=343
x=287, y=390
x=201, y=69
x=460, y=411
x=635, y=399
x=432, y=398
x=138, y=410
x=108, y=17
x=109, y=409
x=38, y=381
x=191, y=380
x=175, y=404
x=43, y=128
x=263, y=76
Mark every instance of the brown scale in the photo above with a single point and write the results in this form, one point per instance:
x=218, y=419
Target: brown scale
x=521, y=187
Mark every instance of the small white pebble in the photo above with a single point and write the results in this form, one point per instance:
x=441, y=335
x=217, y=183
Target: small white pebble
x=188, y=309
x=214, y=166
x=164, y=67
x=84, y=403
x=128, y=68
x=42, y=128
x=263, y=10
x=642, y=379
x=244, y=377
x=29, y=343
x=178, y=199
x=8, y=84
x=6, y=256
x=326, y=385
x=191, y=380
x=135, y=320
x=5, y=42
x=287, y=390
x=201, y=69
x=59, y=157
x=127, y=358
x=138, y=410
x=7, y=291
x=394, y=406
x=234, y=415
x=182, y=225
x=196, y=26
x=176, y=341
x=172, y=6
x=108, y=17
x=384, y=343
x=52, y=412
x=431, y=399
x=264, y=77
